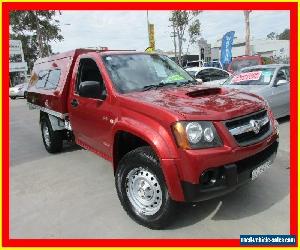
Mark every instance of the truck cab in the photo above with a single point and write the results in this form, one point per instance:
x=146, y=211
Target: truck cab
x=169, y=139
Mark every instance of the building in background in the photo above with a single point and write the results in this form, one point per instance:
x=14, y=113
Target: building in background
x=204, y=50
x=17, y=65
x=279, y=50
x=200, y=51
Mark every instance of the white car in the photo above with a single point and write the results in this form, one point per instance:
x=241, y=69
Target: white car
x=19, y=90
x=210, y=76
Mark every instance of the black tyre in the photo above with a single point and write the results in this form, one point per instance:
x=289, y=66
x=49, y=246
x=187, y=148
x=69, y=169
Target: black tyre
x=25, y=94
x=13, y=97
x=53, y=140
x=142, y=190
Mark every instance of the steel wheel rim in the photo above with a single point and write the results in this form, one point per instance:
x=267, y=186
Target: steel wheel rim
x=46, y=135
x=143, y=191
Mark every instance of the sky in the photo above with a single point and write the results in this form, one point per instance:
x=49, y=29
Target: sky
x=128, y=29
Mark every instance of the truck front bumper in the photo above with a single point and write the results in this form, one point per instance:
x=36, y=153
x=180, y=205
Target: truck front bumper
x=218, y=181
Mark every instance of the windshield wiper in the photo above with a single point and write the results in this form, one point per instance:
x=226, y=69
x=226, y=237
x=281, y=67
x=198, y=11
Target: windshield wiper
x=156, y=86
x=187, y=82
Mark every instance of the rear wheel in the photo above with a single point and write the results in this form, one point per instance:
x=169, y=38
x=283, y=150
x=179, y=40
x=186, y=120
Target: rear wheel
x=142, y=190
x=13, y=97
x=25, y=94
x=53, y=140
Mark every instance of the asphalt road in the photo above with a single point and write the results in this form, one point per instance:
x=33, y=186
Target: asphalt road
x=72, y=194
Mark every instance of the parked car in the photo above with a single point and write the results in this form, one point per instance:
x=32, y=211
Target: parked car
x=241, y=62
x=19, y=90
x=197, y=63
x=201, y=63
x=169, y=139
x=271, y=81
x=215, y=64
x=209, y=75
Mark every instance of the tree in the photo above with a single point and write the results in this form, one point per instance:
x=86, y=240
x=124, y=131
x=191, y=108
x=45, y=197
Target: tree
x=173, y=35
x=247, y=31
x=180, y=20
x=194, y=33
x=36, y=29
x=272, y=36
x=285, y=35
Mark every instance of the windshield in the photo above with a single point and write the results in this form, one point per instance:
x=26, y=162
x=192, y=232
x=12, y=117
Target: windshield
x=136, y=72
x=239, y=64
x=251, y=77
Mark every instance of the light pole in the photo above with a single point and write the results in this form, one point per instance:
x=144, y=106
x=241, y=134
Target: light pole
x=148, y=27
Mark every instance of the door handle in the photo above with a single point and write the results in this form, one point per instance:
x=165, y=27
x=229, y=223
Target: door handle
x=74, y=103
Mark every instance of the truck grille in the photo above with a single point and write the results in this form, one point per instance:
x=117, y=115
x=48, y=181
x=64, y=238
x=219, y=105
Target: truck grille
x=251, y=128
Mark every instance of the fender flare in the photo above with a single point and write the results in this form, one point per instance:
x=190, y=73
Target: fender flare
x=166, y=152
x=162, y=148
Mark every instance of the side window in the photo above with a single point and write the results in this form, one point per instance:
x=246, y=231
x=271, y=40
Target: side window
x=281, y=75
x=53, y=79
x=216, y=74
x=287, y=72
x=204, y=75
x=42, y=78
x=89, y=71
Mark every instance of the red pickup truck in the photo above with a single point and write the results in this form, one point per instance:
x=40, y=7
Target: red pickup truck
x=170, y=140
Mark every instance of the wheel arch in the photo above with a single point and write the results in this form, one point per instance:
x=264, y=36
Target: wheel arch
x=163, y=150
x=56, y=123
x=144, y=136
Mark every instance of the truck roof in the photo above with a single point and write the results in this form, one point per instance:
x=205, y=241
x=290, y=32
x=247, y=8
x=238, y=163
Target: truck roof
x=77, y=52
x=58, y=56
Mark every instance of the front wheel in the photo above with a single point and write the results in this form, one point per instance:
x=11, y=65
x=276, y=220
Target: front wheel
x=142, y=190
x=53, y=140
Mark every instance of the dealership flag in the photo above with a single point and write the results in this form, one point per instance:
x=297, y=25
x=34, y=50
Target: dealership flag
x=227, y=41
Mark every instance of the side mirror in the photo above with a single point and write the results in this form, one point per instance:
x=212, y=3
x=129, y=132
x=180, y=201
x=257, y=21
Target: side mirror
x=281, y=82
x=91, y=89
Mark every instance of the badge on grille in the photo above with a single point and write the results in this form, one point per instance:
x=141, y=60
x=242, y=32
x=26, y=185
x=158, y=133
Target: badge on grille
x=255, y=126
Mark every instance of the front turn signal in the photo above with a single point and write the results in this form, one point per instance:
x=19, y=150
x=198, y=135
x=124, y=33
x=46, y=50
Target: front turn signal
x=180, y=135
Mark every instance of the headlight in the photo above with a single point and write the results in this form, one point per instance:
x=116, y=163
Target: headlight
x=196, y=134
x=209, y=135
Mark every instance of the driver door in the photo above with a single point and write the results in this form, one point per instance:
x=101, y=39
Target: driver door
x=89, y=115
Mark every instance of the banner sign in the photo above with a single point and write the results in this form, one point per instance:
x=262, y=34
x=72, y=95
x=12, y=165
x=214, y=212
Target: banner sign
x=249, y=76
x=15, y=47
x=151, y=36
x=227, y=41
x=18, y=67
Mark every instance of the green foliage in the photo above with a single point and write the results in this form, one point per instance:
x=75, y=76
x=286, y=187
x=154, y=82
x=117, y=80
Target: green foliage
x=194, y=31
x=182, y=21
x=284, y=35
x=271, y=36
x=267, y=60
x=36, y=29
